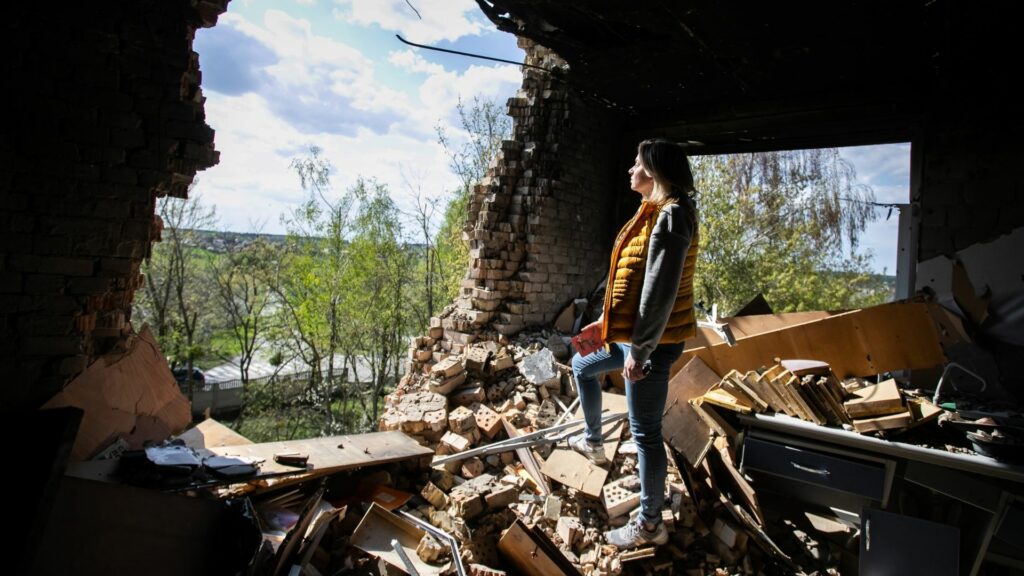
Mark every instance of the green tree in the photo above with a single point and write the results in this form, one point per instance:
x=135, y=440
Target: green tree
x=380, y=286
x=484, y=125
x=243, y=292
x=785, y=224
x=308, y=285
x=177, y=301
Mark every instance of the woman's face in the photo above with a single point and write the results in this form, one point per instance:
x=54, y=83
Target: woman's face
x=639, y=178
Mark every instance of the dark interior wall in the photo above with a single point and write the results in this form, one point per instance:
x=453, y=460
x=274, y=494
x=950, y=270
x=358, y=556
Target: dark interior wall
x=107, y=116
x=971, y=189
x=970, y=145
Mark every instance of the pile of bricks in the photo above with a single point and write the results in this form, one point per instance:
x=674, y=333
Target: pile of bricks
x=493, y=390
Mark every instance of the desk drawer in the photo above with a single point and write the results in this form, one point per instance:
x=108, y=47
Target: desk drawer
x=861, y=477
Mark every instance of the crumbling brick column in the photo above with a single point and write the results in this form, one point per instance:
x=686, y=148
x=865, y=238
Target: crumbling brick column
x=107, y=116
x=539, y=223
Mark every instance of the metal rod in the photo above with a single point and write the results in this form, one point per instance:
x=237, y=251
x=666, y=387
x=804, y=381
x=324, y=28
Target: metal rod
x=404, y=41
x=409, y=566
x=531, y=439
x=437, y=532
x=568, y=411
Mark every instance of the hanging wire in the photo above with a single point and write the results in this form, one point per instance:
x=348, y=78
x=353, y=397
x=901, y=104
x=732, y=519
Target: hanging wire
x=890, y=205
x=404, y=41
x=414, y=9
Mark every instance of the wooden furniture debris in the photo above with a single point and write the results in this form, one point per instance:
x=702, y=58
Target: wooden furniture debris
x=210, y=433
x=683, y=427
x=130, y=395
x=878, y=400
x=529, y=461
x=331, y=454
x=905, y=335
x=376, y=531
x=573, y=469
x=532, y=553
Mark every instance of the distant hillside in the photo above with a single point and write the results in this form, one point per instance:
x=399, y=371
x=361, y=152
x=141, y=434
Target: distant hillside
x=222, y=241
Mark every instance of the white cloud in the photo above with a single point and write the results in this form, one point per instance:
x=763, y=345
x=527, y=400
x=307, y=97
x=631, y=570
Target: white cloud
x=413, y=62
x=441, y=19
x=319, y=91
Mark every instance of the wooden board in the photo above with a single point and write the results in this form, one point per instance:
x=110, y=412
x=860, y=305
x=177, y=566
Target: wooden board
x=130, y=394
x=865, y=342
x=528, y=460
x=332, y=454
x=210, y=433
x=877, y=400
x=682, y=426
x=612, y=431
x=888, y=422
x=533, y=554
x=574, y=470
x=375, y=532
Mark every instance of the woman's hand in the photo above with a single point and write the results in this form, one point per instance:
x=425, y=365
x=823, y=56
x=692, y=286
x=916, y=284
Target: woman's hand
x=589, y=339
x=633, y=370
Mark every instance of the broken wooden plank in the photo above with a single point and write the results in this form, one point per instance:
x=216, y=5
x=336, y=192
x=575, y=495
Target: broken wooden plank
x=887, y=422
x=376, y=531
x=721, y=397
x=331, y=454
x=210, y=432
x=904, y=335
x=528, y=460
x=638, y=554
x=745, y=491
x=532, y=553
x=923, y=410
x=574, y=470
x=713, y=419
x=682, y=426
x=753, y=380
x=130, y=395
x=736, y=379
x=877, y=400
x=611, y=432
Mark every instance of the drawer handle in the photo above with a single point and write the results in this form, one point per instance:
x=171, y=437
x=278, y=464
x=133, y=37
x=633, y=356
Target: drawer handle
x=818, y=471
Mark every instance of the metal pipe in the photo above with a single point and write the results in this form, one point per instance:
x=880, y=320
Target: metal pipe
x=531, y=439
x=938, y=387
x=438, y=533
x=409, y=566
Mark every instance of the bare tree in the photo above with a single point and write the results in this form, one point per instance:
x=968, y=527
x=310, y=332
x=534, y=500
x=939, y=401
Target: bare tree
x=176, y=298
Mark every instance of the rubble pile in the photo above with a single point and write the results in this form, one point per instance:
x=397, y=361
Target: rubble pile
x=495, y=391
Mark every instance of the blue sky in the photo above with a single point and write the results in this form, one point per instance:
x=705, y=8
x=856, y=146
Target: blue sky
x=281, y=76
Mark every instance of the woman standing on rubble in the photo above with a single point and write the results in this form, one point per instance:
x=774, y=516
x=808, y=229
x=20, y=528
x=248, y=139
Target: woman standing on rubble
x=647, y=316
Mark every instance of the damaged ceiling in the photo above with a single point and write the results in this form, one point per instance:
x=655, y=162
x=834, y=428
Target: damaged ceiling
x=768, y=76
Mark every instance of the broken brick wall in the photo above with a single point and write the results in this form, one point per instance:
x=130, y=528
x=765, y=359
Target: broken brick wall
x=107, y=116
x=540, y=222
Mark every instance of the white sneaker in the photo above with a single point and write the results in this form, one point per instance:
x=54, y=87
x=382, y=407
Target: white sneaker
x=634, y=535
x=593, y=452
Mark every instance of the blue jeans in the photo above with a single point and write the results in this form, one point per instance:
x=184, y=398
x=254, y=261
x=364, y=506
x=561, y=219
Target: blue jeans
x=646, y=402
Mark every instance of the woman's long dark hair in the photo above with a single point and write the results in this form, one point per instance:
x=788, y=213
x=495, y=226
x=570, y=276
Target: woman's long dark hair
x=667, y=163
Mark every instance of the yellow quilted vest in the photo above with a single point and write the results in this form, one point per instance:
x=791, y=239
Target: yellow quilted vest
x=626, y=280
